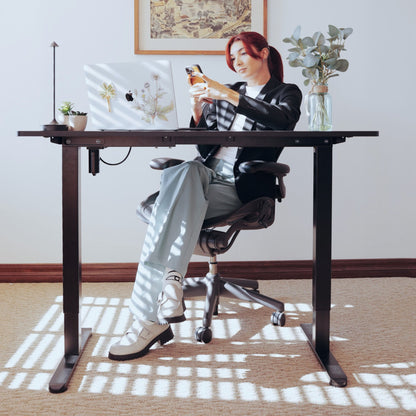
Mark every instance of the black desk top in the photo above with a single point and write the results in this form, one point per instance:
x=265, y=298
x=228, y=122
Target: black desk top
x=167, y=138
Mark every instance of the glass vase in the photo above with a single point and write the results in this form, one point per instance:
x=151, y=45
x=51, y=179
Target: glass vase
x=319, y=109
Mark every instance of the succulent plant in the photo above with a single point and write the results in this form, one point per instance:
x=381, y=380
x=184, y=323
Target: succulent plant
x=66, y=108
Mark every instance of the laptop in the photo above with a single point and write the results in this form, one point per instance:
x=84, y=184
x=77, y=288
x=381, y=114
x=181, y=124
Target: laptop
x=131, y=96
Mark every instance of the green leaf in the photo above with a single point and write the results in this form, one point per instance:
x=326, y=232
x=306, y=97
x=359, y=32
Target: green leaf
x=333, y=31
x=310, y=73
x=290, y=40
x=292, y=56
x=311, y=60
x=296, y=33
x=332, y=54
x=330, y=62
x=306, y=73
x=295, y=63
x=346, y=32
x=310, y=49
x=308, y=41
x=323, y=49
x=319, y=38
x=341, y=65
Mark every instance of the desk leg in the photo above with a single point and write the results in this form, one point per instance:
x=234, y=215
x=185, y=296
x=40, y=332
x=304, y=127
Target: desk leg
x=318, y=332
x=71, y=250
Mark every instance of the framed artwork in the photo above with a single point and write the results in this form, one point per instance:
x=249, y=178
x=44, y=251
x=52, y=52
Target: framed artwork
x=194, y=26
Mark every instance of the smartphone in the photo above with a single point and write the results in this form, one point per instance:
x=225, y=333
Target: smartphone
x=192, y=72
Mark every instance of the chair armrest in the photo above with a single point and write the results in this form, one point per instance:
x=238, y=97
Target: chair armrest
x=161, y=163
x=274, y=168
x=277, y=169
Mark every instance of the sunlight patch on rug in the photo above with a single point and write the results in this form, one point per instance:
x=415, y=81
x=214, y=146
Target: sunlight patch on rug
x=242, y=364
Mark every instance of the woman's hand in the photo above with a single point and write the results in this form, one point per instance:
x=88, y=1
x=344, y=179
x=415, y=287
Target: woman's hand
x=213, y=90
x=207, y=92
x=195, y=93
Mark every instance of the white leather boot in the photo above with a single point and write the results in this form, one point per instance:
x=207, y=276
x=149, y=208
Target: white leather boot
x=171, y=306
x=137, y=341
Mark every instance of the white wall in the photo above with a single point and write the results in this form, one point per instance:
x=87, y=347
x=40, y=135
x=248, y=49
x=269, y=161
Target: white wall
x=374, y=178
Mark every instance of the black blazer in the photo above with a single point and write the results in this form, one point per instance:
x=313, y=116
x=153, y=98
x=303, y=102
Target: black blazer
x=277, y=107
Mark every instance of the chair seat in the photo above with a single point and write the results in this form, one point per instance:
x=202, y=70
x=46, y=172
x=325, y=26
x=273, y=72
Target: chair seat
x=253, y=215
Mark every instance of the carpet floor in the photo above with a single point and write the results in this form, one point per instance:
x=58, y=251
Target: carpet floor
x=250, y=368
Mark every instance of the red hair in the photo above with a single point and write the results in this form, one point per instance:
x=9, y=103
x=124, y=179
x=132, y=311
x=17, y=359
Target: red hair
x=254, y=43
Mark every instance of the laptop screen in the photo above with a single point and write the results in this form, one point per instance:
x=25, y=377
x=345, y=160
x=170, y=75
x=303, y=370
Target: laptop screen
x=131, y=96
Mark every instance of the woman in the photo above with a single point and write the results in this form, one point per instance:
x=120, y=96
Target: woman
x=209, y=186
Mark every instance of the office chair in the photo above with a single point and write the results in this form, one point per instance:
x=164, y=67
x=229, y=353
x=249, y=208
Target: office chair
x=255, y=214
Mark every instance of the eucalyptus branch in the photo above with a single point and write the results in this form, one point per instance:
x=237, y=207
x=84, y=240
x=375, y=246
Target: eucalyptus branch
x=319, y=56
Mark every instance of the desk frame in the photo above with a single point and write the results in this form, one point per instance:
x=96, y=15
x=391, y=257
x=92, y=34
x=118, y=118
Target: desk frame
x=317, y=333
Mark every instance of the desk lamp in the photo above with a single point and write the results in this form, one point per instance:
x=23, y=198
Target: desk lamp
x=54, y=125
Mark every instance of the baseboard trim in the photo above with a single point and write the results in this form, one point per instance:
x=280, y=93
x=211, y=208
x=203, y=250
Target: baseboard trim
x=260, y=270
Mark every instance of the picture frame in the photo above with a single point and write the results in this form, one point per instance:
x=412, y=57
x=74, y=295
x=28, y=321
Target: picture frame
x=194, y=27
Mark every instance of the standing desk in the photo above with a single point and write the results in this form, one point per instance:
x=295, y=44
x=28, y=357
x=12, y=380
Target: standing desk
x=317, y=332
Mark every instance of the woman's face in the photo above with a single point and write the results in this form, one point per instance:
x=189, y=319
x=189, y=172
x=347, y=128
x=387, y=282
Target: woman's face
x=250, y=69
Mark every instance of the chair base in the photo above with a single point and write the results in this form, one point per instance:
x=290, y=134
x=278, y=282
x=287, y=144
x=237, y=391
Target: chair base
x=213, y=286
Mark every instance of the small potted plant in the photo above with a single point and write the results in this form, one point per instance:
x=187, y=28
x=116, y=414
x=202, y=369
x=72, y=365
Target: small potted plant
x=319, y=58
x=78, y=120
x=75, y=120
x=65, y=109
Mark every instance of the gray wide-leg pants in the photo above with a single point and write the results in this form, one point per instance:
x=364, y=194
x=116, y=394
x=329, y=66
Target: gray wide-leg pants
x=189, y=193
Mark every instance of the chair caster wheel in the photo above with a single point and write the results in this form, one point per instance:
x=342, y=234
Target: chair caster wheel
x=278, y=318
x=203, y=334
